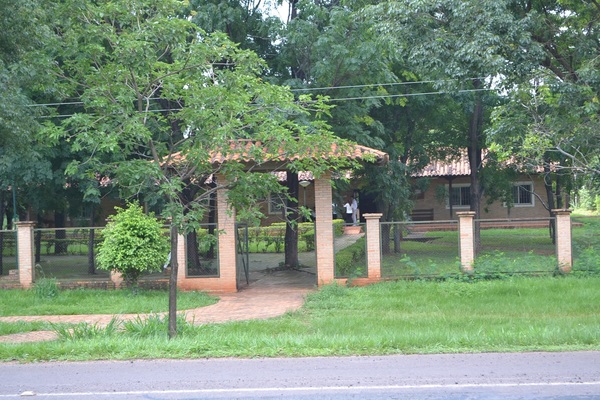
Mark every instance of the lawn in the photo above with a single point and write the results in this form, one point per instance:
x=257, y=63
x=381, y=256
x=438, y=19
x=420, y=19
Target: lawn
x=79, y=301
x=516, y=314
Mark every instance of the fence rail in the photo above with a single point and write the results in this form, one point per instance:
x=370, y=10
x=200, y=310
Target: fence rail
x=419, y=249
x=8, y=252
x=523, y=246
x=409, y=250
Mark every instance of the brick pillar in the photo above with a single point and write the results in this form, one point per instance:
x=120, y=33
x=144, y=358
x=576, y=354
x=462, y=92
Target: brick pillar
x=181, y=258
x=373, y=246
x=564, y=249
x=25, y=253
x=324, y=230
x=226, y=229
x=117, y=278
x=466, y=240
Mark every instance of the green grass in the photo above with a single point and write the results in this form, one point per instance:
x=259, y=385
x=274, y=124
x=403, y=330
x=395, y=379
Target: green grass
x=72, y=302
x=517, y=314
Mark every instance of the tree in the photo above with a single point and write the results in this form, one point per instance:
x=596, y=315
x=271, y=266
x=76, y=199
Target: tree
x=24, y=80
x=550, y=118
x=463, y=46
x=167, y=101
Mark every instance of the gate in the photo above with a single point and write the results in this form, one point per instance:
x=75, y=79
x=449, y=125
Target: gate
x=243, y=259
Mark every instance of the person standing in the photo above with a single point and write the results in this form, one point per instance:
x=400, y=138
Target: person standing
x=354, y=206
x=349, y=212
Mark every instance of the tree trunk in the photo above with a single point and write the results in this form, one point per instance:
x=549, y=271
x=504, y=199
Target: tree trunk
x=550, y=198
x=37, y=241
x=91, y=240
x=474, y=152
x=385, y=239
x=193, y=251
x=212, y=219
x=173, y=283
x=397, y=238
x=291, y=226
x=60, y=235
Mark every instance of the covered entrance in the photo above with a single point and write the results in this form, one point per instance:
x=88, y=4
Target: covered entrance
x=235, y=263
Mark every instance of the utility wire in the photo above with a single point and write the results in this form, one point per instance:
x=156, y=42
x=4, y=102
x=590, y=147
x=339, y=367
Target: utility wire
x=388, y=96
x=380, y=84
x=69, y=103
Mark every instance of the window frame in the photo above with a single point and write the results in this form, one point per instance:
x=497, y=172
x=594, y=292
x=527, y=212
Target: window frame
x=272, y=200
x=531, y=193
x=448, y=198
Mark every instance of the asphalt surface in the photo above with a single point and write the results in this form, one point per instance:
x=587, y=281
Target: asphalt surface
x=568, y=376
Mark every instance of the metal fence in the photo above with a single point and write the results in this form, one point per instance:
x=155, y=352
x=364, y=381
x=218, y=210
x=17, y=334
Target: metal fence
x=8, y=250
x=350, y=252
x=67, y=253
x=516, y=247
x=586, y=242
x=202, y=251
x=419, y=249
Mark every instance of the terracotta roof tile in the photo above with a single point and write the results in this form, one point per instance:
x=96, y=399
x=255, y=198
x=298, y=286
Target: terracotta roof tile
x=242, y=150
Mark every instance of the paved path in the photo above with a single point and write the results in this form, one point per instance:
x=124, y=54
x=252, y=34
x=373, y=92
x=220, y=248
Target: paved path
x=272, y=292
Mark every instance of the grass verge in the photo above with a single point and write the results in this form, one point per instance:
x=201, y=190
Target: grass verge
x=517, y=314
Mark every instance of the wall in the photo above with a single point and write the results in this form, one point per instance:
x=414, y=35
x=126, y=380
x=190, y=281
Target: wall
x=493, y=211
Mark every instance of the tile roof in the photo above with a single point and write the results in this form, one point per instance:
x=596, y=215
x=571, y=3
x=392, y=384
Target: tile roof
x=458, y=165
x=450, y=166
x=242, y=150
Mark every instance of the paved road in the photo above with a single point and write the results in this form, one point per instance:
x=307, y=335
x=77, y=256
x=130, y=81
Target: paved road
x=573, y=376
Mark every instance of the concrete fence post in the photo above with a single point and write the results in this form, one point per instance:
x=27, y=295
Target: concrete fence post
x=564, y=250
x=466, y=240
x=116, y=278
x=25, y=253
x=373, y=245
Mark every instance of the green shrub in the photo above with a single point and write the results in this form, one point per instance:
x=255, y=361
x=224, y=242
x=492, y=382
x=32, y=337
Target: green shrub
x=46, y=288
x=83, y=330
x=338, y=227
x=133, y=244
x=351, y=261
x=308, y=237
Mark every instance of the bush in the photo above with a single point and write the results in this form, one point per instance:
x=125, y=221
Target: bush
x=133, y=244
x=46, y=288
x=351, y=261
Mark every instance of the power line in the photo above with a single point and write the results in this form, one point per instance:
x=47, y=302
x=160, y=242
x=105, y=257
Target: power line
x=69, y=103
x=388, y=96
x=409, y=95
x=381, y=84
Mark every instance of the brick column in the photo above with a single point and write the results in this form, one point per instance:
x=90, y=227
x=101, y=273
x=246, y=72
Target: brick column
x=564, y=251
x=373, y=246
x=226, y=229
x=117, y=278
x=25, y=253
x=324, y=230
x=466, y=240
x=181, y=258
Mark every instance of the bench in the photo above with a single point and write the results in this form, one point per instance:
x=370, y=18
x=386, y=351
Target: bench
x=425, y=214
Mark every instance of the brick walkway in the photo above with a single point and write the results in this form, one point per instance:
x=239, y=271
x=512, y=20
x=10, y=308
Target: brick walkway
x=271, y=293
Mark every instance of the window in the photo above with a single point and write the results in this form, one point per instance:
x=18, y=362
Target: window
x=276, y=203
x=460, y=196
x=522, y=194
